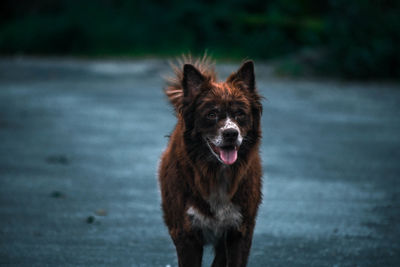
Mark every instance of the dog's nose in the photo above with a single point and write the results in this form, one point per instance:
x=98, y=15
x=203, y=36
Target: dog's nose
x=230, y=134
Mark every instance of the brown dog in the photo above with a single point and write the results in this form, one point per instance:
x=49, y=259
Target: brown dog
x=210, y=173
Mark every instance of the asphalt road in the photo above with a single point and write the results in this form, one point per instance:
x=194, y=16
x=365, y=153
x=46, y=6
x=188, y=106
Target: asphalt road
x=80, y=143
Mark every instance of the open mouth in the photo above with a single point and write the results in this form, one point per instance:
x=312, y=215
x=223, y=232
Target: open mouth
x=226, y=154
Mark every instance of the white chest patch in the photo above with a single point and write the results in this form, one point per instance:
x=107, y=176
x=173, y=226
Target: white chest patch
x=226, y=215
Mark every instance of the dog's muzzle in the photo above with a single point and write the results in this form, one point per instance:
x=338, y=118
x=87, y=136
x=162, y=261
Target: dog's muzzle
x=225, y=145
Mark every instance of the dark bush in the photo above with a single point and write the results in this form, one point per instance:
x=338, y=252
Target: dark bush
x=358, y=38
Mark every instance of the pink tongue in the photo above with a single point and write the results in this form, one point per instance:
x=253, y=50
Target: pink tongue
x=228, y=156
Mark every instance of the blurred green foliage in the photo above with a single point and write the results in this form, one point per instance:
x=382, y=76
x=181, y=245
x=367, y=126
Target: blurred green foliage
x=355, y=39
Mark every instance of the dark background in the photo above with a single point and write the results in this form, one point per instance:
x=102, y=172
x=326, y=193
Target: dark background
x=352, y=39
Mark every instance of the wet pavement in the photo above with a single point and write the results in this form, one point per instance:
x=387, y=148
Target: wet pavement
x=80, y=143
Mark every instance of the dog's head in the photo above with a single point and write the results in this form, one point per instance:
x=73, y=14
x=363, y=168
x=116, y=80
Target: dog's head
x=222, y=119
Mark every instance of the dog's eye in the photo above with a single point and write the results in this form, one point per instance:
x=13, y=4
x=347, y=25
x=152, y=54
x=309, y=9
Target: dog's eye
x=239, y=114
x=212, y=115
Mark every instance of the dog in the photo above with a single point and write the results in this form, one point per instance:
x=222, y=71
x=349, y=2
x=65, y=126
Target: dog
x=210, y=174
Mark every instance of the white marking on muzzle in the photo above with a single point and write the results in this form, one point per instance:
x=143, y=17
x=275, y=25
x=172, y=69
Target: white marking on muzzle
x=229, y=124
x=218, y=139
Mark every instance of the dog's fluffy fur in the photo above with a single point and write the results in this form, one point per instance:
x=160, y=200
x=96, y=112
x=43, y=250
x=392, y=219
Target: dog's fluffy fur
x=210, y=173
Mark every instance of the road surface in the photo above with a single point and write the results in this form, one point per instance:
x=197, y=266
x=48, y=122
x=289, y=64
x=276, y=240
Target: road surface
x=80, y=141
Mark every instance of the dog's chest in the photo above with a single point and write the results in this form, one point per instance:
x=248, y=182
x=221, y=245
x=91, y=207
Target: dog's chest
x=225, y=215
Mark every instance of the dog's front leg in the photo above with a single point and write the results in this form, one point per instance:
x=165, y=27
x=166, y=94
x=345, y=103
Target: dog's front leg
x=238, y=246
x=189, y=249
x=220, y=253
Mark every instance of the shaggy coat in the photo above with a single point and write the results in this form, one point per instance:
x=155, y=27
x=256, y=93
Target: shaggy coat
x=210, y=173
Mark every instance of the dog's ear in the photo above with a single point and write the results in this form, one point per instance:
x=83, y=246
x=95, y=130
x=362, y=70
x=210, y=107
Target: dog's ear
x=192, y=80
x=245, y=75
